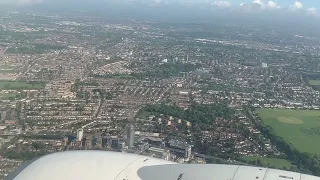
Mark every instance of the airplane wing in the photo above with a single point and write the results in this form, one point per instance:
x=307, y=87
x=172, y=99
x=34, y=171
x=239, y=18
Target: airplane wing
x=105, y=165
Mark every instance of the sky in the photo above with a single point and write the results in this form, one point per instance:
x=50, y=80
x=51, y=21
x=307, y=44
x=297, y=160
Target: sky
x=305, y=7
x=285, y=3
x=309, y=7
x=281, y=3
x=284, y=15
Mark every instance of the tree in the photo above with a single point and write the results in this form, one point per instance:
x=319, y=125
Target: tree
x=37, y=145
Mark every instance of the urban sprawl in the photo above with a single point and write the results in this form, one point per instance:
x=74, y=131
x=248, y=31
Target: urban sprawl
x=184, y=92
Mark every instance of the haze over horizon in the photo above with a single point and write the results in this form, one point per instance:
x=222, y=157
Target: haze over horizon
x=309, y=6
x=299, y=16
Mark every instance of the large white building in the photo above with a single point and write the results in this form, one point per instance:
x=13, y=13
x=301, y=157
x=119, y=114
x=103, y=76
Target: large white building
x=79, y=134
x=264, y=65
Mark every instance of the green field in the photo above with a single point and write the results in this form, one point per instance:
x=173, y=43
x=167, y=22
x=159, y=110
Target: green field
x=301, y=128
x=8, y=69
x=269, y=162
x=314, y=82
x=8, y=96
x=4, y=66
x=20, y=85
x=144, y=114
x=117, y=76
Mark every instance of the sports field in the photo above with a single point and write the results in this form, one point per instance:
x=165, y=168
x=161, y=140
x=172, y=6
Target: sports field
x=301, y=128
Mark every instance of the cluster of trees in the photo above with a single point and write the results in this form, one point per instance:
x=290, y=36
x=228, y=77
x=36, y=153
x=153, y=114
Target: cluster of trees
x=37, y=145
x=113, y=59
x=20, y=85
x=13, y=96
x=307, y=77
x=79, y=83
x=79, y=93
x=165, y=70
x=196, y=113
x=48, y=136
x=305, y=162
x=83, y=95
x=103, y=94
x=34, y=49
x=168, y=70
x=79, y=107
x=24, y=155
x=119, y=76
x=214, y=160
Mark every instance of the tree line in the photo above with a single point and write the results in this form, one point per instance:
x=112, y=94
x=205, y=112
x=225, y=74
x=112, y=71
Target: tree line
x=196, y=113
x=167, y=70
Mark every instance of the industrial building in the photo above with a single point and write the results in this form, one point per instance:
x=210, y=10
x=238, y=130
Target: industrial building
x=159, y=153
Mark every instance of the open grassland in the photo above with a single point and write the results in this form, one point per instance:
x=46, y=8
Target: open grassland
x=269, y=162
x=7, y=69
x=301, y=128
x=20, y=85
x=314, y=82
x=8, y=96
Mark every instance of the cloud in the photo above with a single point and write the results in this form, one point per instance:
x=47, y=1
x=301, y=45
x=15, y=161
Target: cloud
x=21, y=2
x=259, y=2
x=258, y=5
x=312, y=11
x=255, y=5
x=296, y=6
x=222, y=4
x=272, y=4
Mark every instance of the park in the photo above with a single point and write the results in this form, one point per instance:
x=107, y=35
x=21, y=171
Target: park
x=268, y=162
x=300, y=128
x=20, y=85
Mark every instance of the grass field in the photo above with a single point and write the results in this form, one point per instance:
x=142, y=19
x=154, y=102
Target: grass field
x=4, y=66
x=8, y=69
x=314, y=82
x=301, y=128
x=145, y=114
x=269, y=162
x=20, y=85
x=8, y=96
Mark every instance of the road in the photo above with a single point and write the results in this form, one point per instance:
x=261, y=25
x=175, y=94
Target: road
x=206, y=156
